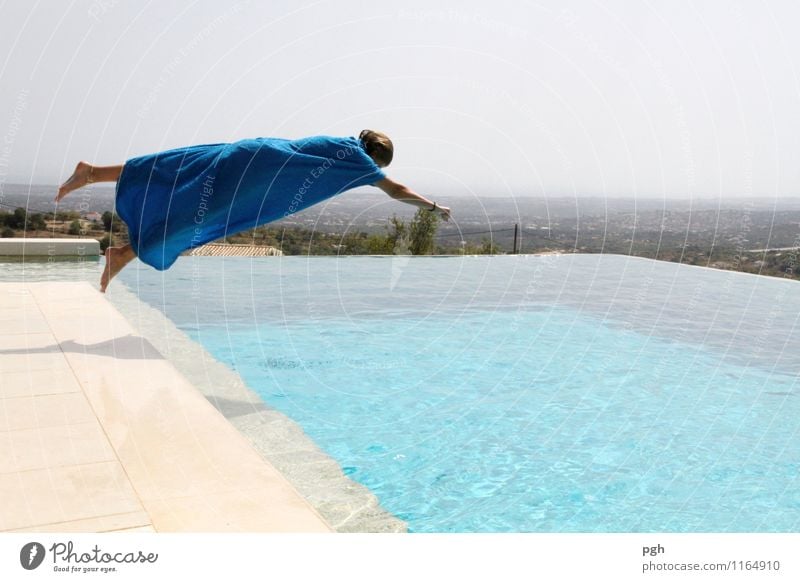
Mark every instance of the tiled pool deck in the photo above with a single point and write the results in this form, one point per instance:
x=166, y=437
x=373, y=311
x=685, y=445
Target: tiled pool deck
x=99, y=432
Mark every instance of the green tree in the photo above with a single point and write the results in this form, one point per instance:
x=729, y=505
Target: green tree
x=37, y=221
x=7, y=232
x=415, y=237
x=65, y=215
x=488, y=247
x=113, y=223
x=75, y=227
x=379, y=245
x=355, y=243
x=20, y=219
x=397, y=231
x=422, y=230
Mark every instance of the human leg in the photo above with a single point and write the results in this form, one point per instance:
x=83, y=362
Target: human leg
x=116, y=259
x=86, y=173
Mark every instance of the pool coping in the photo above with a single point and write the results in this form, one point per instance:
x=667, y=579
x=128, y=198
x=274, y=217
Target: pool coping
x=346, y=505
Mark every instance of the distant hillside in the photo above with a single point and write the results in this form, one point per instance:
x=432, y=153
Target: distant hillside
x=588, y=224
x=370, y=204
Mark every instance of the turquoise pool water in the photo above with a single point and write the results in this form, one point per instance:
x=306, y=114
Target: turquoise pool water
x=587, y=393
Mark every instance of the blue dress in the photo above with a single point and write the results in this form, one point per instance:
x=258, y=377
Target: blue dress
x=175, y=200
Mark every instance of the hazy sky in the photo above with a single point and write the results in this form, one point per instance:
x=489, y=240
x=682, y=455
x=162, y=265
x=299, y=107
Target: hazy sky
x=644, y=98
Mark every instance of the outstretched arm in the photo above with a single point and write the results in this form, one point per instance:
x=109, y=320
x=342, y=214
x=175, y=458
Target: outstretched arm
x=405, y=194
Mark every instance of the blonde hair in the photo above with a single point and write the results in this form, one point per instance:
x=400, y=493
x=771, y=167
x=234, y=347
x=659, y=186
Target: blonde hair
x=378, y=146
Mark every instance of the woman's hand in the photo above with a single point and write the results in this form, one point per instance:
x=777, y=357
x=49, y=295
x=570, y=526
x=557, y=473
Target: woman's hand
x=444, y=212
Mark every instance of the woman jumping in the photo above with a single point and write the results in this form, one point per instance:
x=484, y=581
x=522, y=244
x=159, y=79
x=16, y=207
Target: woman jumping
x=179, y=199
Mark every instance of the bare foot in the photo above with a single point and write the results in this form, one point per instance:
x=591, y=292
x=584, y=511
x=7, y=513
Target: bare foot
x=116, y=259
x=80, y=177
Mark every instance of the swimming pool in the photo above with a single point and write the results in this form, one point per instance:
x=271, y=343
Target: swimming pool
x=588, y=393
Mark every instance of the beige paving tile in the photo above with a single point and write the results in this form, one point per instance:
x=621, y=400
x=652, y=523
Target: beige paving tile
x=17, y=302
x=85, y=330
x=32, y=383
x=83, y=294
x=14, y=311
x=28, y=311
x=31, y=361
x=120, y=347
x=247, y=510
x=15, y=295
x=36, y=342
x=14, y=286
x=142, y=529
x=91, y=305
x=64, y=494
x=64, y=291
x=132, y=521
x=44, y=411
x=61, y=290
x=173, y=443
x=117, y=373
x=28, y=449
x=29, y=352
x=22, y=325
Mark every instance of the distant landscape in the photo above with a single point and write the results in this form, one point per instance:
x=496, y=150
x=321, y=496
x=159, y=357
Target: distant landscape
x=756, y=236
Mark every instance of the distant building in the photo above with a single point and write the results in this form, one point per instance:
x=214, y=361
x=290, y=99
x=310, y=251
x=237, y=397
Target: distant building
x=93, y=216
x=234, y=250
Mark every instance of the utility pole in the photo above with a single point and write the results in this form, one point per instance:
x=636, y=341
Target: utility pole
x=516, y=236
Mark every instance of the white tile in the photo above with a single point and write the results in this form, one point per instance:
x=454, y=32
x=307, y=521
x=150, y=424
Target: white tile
x=141, y=529
x=86, y=330
x=28, y=449
x=32, y=361
x=15, y=298
x=23, y=325
x=44, y=411
x=32, y=383
x=24, y=343
x=244, y=510
x=132, y=521
x=63, y=494
x=29, y=311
